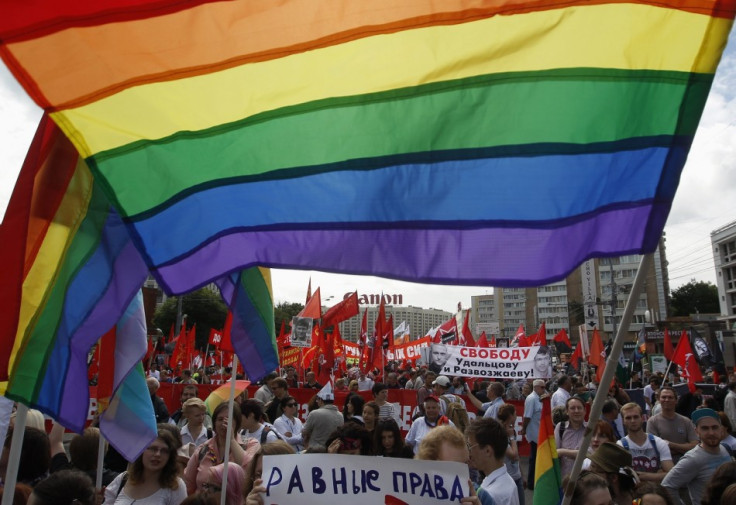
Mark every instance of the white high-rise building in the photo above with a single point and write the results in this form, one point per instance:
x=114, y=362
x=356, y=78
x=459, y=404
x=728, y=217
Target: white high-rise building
x=724, y=256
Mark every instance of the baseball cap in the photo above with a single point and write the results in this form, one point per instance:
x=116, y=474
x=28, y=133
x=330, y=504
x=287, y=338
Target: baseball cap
x=442, y=380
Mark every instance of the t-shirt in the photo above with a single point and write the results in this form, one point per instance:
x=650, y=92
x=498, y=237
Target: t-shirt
x=679, y=430
x=271, y=435
x=693, y=472
x=163, y=496
x=571, y=439
x=644, y=457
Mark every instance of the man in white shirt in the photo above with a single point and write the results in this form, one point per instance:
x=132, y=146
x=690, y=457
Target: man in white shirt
x=423, y=425
x=364, y=383
x=559, y=397
x=650, y=454
x=487, y=444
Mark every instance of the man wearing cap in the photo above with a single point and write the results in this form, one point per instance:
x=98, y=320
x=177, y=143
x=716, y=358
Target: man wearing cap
x=440, y=388
x=323, y=421
x=677, y=430
x=530, y=426
x=422, y=425
x=696, y=467
x=650, y=454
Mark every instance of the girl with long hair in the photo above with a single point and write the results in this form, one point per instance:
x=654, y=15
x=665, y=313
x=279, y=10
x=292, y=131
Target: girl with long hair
x=151, y=479
x=387, y=441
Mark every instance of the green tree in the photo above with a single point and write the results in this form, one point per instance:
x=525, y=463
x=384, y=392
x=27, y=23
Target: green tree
x=203, y=307
x=695, y=297
x=284, y=311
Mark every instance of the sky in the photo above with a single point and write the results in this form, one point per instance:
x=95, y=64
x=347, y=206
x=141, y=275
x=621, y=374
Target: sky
x=705, y=200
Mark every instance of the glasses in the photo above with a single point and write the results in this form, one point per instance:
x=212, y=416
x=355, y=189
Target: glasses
x=211, y=487
x=157, y=450
x=470, y=447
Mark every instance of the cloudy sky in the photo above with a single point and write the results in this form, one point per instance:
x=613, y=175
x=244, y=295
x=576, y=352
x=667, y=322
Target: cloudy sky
x=706, y=199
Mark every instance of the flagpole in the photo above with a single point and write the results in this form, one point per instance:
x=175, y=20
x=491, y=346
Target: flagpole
x=229, y=436
x=11, y=473
x=100, y=462
x=611, y=362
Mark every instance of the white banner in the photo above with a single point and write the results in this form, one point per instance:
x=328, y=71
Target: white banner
x=507, y=363
x=316, y=479
x=590, y=287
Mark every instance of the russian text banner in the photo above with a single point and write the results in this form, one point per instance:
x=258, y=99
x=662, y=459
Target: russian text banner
x=504, y=363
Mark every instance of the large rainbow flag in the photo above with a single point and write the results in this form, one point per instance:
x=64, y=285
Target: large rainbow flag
x=547, y=473
x=400, y=139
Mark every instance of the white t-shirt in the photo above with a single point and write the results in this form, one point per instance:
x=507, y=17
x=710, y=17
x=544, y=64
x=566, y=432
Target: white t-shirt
x=644, y=457
x=160, y=497
x=271, y=436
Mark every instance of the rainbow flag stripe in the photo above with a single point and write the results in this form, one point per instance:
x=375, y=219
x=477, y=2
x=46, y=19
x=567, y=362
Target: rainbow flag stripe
x=547, y=474
x=404, y=141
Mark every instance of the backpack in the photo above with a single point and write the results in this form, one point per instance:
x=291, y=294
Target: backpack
x=456, y=412
x=266, y=430
x=625, y=443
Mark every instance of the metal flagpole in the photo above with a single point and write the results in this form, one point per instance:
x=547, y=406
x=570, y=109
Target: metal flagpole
x=616, y=349
x=230, y=428
x=11, y=473
x=100, y=462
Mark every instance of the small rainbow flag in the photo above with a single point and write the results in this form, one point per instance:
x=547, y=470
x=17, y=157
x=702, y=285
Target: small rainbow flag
x=547, y=474
x=400, y=139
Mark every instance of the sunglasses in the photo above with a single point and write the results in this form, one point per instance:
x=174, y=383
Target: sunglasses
x=291, y=404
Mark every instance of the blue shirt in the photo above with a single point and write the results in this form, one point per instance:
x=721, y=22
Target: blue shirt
x=533, y=412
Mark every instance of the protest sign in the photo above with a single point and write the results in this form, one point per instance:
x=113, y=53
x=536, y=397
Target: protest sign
x=409, y=351
x=314, y=479
x=508, y=363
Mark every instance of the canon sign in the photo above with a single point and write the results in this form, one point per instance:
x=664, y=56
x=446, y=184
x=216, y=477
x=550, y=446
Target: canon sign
x=376, y=299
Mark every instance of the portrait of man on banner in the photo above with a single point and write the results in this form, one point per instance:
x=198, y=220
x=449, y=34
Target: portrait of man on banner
x=301, y=335
x=438, y=356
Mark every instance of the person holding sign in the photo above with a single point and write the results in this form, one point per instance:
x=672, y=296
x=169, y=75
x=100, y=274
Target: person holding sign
x=446, y=443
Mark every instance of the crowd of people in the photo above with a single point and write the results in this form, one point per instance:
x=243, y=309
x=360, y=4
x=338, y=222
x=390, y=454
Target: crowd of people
x=666, y=451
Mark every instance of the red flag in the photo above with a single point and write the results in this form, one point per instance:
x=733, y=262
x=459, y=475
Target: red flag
x=539, y=338
x=106, y=378
x=283, y=339
x=179, y=354
x=226, y=344
x=493, y=341
x=598, y=354
x=388, y=333
x=576, y=357
x=378, y=333
x=687, y=360
x=447, y=332
x=342, y=311
x=467, y=335
x=483, y=341
x=171, y=334
x=668, y=351
x=365, y=351
x=326, y=358
x=313, y=308
x=563, y=339
x=520, y=338
x=190, y=346
x=215, y=337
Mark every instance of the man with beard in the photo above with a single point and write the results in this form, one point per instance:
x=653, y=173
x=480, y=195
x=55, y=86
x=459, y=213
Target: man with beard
x=696, y=467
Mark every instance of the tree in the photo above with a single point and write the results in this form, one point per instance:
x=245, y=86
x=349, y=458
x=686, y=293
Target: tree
x=284, y=311
x=695, y=297
x=203, y=307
